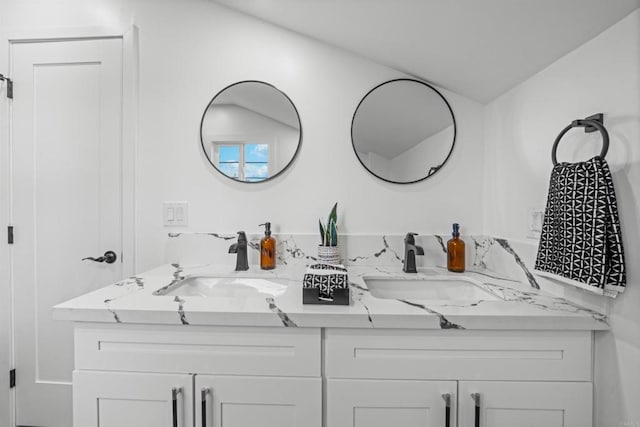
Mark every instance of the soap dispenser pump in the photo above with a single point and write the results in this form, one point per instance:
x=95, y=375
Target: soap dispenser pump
x=267, y=249
x=455, y=251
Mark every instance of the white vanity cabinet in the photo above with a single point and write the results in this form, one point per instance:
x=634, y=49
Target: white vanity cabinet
x=125, y=376
x=518, y=378
x=337, y=377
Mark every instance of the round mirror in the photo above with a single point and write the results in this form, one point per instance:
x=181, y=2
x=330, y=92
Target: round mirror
x=403, y=131
x=250, y=131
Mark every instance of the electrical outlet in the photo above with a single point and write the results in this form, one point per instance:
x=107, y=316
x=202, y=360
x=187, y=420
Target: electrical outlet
x=175, y=214
x=535, y=218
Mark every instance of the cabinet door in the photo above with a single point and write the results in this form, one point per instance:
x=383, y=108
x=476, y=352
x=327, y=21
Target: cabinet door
x=384, y=403
x=115, y=399
x=525, y=404
x=258, y=401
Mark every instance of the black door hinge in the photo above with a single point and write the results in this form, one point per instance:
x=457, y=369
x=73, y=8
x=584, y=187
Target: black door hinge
x=10, y=234
x=9, y=86
x=12, y=378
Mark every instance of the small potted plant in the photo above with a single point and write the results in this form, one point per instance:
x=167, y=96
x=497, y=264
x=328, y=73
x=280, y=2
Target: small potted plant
x=328, y=250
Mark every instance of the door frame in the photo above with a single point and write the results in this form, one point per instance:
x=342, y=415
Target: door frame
x=130, y=87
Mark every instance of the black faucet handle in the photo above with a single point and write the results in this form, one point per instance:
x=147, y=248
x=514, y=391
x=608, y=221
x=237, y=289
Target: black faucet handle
x=409, y=239
x=242, y=236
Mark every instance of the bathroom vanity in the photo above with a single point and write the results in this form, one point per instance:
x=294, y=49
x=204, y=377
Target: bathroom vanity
x=242, y=350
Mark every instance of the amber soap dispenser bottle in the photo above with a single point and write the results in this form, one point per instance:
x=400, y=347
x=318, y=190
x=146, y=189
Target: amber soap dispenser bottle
x=455, y=251
x=267, y=249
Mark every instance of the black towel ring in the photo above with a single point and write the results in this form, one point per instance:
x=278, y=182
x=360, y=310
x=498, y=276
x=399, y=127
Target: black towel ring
x=588, y=122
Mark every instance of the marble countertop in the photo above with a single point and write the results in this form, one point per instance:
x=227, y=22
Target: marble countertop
x=517, y=306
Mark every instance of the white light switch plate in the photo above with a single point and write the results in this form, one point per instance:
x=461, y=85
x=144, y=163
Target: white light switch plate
x=535, y=218
x=175, y=214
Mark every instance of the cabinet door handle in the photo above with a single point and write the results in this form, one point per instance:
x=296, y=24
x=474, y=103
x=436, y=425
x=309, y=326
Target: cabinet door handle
x=175, y=391
x=203, y=399
x=476, y=399
x=447, y=409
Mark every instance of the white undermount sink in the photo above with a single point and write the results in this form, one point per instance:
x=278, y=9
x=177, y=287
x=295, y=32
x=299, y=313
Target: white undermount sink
x=432, y=288
x=221, y=287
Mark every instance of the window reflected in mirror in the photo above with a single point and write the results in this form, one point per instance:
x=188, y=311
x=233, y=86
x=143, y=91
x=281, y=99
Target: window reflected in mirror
x=242, y=161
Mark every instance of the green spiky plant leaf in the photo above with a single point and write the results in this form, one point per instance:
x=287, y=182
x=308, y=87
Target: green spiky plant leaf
x=333, y=215
x=322, y=234
x=333, y=233
x=329, y=231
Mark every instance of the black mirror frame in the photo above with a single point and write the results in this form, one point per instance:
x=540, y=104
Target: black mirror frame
x=433, y=170
x=292, y=157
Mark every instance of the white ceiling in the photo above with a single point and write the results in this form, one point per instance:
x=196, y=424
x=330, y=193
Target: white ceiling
x=477, y=48
x=261, y=99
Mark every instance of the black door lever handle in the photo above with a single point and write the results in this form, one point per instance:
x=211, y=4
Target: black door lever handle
x=109, y=257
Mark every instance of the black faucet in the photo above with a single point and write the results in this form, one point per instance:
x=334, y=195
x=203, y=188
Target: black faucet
x=240, y=248
x=410, y=252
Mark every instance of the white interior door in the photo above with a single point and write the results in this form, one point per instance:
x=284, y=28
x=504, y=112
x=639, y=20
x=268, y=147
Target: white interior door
x=66, y=204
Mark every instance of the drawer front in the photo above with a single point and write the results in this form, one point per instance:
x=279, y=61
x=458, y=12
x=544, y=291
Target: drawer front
x=459, y=355
x=207, y=350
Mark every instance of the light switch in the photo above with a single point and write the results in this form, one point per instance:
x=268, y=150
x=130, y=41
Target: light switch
x=535, y=219
x=175, y=214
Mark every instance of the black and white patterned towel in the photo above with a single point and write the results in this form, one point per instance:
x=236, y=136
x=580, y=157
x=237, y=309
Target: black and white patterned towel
x=326, y=277
x=581, y=238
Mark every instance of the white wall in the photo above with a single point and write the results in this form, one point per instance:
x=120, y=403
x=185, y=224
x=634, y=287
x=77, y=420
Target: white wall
x=601, y=76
